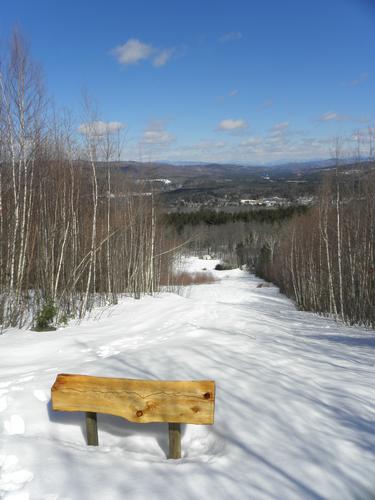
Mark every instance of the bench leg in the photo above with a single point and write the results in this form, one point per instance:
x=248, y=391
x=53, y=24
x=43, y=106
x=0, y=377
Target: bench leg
x=174, y=440
x=91, y=429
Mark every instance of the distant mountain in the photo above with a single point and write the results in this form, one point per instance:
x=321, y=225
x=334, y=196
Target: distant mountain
x=181, y=172
x=329, y=162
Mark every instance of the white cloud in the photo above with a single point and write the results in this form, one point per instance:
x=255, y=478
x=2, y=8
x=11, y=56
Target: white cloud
x=231, y=93
x=251, y=142
x=133, y=51
x=230, y=125
x=162, y=57
x=232, y=35
x=254, y=149
x=364, y=119
x=202, y=149
x=331, y=116
x=208, y=146
x=157, y=135
x=278, y=145
x=280, y=126
x=277, y=139
x=99, y=128
x=364, y=134
x=266, y=104
x=354, y=83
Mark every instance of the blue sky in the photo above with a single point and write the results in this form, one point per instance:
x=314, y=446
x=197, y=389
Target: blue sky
x=244, y=81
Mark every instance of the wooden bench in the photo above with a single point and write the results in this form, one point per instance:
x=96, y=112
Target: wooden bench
x=141, y=401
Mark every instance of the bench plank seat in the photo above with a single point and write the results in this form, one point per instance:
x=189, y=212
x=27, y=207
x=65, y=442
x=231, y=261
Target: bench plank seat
x=140, y=401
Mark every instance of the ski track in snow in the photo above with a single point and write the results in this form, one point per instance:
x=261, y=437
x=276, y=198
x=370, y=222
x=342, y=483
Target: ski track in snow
x=295, y=402
x=13, y=478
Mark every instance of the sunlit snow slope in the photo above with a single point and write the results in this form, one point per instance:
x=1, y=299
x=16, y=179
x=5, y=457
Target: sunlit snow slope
x=295, y=401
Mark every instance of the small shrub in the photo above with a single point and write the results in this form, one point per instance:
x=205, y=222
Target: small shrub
x=186, y=279
x=63, y=319
x=44, y=318
x=264, y=285
x=223, y=266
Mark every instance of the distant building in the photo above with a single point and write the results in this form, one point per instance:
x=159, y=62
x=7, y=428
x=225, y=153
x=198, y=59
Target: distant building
x=268, y=202
x=251, y=202
x=274, y=201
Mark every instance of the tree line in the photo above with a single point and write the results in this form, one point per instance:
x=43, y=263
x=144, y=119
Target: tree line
x=325, y=259
x=69, y=238
x=236, y=240
x=218, y=217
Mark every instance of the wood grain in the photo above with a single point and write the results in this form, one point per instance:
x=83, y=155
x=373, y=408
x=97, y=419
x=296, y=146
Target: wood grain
x=141, y=401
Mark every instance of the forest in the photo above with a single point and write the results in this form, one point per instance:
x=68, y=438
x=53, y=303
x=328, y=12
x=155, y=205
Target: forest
x=219, y=217
x=71, y=236
x=323, y=257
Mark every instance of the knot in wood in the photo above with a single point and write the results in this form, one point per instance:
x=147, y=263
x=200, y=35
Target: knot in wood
x=139, y=413
x=206, y=395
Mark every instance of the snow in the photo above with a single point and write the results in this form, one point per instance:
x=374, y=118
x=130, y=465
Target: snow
x=295, y=401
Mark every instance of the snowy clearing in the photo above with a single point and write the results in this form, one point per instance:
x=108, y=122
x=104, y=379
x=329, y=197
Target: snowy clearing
x=295, y=401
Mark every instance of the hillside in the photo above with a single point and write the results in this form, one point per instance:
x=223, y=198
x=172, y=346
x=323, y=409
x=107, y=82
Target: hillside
x=218, y=185
x=295, y=401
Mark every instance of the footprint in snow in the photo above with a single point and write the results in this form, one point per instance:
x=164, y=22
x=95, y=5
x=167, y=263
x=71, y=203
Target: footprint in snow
x=27, y=378
x=105, y=351
x=40, y=394
x=7, y=462
x=17, y=495
x=3, y=403
x=15, y=425
x=4, y=384
x=13, y=479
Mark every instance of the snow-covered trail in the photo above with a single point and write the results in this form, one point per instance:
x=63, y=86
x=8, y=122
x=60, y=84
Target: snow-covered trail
x=295, y=401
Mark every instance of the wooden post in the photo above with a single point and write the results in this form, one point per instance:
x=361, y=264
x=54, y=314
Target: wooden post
x=91, y=429
x=174, y=440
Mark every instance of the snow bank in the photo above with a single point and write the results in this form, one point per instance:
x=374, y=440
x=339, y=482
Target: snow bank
x=295, y=402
